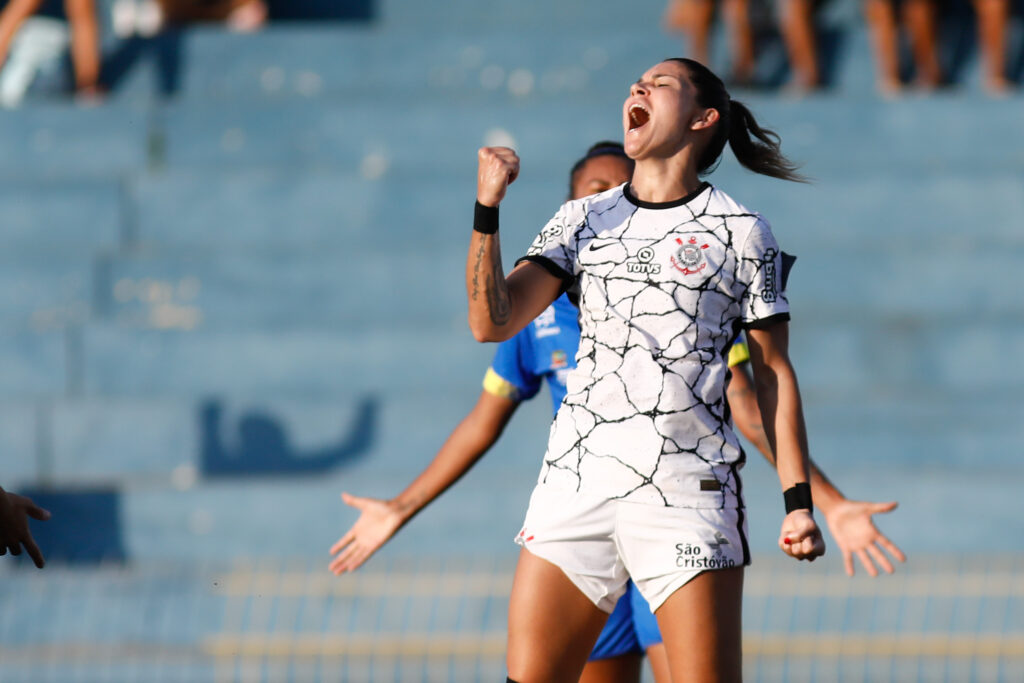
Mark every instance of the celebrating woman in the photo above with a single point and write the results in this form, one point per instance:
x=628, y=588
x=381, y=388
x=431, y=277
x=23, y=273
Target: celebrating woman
x=641, y=475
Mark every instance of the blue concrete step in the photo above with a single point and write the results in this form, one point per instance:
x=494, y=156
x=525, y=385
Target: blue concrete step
x=60, y=214
x=410, y=287
x=345, y=212
x=36, y=363
x=882, y=138
x=289, y=362
x=64, y=140
x=44, y=289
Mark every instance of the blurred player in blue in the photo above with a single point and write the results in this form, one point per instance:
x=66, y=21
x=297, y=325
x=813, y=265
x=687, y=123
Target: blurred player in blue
x=546, y=350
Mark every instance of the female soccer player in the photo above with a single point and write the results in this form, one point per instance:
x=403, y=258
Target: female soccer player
x=640, y=478
x=546, y=350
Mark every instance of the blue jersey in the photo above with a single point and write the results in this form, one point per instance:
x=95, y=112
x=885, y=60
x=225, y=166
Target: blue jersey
x=544, y=350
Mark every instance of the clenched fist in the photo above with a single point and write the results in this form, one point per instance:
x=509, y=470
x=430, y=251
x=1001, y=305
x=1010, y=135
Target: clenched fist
x=498, y=168
x=800, y=537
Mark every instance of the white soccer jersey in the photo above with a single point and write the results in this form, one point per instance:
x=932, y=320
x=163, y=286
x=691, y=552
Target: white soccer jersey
x=663, y=289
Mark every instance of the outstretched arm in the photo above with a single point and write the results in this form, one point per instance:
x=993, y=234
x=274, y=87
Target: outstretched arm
x=499, y=306
x=778, y=397
x=850, y=521
x=379, y=520
x=14, y=532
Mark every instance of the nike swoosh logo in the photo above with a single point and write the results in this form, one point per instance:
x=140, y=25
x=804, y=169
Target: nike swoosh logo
x=598, y=247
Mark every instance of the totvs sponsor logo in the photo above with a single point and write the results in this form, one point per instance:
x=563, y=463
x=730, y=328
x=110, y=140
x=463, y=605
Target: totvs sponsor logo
x=690, y=556
x=643, y=263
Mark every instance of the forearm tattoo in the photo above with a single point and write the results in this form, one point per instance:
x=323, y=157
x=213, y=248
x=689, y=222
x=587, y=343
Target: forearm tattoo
x=477, y=266
x=499, y=306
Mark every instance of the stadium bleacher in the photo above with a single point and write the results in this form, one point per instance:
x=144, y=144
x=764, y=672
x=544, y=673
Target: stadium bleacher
x=282, y=239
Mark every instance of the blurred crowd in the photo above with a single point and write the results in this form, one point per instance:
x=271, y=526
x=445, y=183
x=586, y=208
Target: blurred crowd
x=34, y=33
x=40, y=32
x=889, y=22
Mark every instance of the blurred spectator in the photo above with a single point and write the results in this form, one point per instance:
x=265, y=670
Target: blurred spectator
x=25, y=53
x=918, y=16
x=992, y=18
x=148, y=17
x=797, y=27
x=694, y=18
x=14, y=532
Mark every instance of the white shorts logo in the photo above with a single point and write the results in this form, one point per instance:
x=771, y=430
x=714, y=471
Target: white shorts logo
x=691, y=556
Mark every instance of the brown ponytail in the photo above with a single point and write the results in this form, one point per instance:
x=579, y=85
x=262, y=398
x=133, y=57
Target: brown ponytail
x=756, y=148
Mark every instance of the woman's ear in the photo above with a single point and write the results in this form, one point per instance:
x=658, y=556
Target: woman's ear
x=705, y=119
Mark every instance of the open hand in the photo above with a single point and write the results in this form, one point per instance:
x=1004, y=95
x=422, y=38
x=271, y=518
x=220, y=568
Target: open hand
x=851, y=525
x=379, y=521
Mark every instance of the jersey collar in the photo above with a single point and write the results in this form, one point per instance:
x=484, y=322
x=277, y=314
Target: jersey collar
x=627, y=192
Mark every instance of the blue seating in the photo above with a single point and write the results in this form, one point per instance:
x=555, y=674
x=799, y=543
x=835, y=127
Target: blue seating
x=279, y=245
x=60, y=215
x=44, y=289
x=313, y=362
x=331, y=211
x=36, y=365
x=81, y=142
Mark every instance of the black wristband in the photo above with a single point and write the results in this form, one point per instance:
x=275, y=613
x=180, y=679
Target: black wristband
x=485, y=219
x=798, y=498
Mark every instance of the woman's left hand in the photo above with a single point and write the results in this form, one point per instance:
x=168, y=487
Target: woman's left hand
x=801, y=538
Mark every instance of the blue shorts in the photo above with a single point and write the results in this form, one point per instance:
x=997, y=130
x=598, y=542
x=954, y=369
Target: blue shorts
x=631, y=628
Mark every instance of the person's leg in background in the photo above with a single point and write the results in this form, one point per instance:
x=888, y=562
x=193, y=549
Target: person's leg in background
x=741, y=35
x=694, y=19
x=992, y=19
x=881, y=20
x=797, y=28
x=919, y=16
x=85, y=46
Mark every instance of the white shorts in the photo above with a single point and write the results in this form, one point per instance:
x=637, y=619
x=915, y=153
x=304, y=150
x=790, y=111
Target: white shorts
x=600, y=543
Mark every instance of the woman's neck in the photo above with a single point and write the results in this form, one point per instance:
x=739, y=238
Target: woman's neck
x=664, y=180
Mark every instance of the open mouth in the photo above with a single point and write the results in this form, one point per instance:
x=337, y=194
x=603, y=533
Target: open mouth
x=638, y=116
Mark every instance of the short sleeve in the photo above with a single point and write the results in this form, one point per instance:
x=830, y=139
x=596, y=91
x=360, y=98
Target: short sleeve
x=554, y=249
x=760, y=279
x=510, y=375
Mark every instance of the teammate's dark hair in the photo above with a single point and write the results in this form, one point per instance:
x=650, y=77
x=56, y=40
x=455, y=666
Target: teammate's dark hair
x=605, y=148
x=758, y=149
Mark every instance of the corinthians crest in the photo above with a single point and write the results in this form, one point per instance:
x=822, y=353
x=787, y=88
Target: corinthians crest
x=689, y=257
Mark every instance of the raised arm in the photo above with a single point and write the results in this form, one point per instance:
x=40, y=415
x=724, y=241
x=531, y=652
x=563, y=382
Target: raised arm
x=379, y=520
x=778, y=398
x=850, y=521
x=499, y=306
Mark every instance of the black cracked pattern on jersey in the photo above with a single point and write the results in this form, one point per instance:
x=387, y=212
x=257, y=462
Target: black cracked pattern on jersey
x=618, y=279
